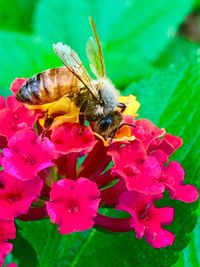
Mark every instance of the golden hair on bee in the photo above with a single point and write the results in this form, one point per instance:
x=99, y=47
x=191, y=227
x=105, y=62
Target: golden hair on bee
x=96, y=99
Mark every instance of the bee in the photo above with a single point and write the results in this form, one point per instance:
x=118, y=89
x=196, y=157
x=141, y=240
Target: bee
x=96, y=99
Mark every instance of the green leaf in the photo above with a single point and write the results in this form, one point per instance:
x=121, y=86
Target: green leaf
x=52, y=248
x=178, y=50
x=190, y=256
x=22, y=56
x=133, y=34
x=44, y=238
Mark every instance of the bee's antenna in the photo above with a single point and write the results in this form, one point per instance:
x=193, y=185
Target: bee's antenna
x=117, y=129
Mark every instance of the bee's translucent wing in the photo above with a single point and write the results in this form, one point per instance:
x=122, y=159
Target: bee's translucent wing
x=95, y=54
x=94, y=59
x=72, y=61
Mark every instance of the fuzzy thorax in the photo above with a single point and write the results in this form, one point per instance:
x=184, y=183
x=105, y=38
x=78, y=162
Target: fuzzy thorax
x=108, y=95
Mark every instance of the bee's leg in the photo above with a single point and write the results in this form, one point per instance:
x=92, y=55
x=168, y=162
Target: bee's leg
x=122, y=106
x=82, y=110
x=81, y=119
x=47, y=123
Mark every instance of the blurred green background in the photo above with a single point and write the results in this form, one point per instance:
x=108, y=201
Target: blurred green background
x=151, y=49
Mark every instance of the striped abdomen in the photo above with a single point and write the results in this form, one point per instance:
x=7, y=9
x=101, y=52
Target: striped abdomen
x=48, y=86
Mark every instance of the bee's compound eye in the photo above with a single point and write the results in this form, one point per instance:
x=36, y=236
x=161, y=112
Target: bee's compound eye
x=105, y=123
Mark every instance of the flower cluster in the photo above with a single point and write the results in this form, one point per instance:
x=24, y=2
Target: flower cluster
x=71, y=172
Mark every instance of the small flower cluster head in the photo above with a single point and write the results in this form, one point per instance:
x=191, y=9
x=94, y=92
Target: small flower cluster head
x=72, y=172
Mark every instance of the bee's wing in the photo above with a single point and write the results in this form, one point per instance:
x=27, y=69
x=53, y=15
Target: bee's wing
x=95, y=54
x=72, y=61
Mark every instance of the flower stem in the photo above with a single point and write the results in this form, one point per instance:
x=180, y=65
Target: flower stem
x=110, y=196
x=34, y=214
x=112, y=224
x=49, y=256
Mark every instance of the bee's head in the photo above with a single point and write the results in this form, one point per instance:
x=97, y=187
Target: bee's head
x=108, y=125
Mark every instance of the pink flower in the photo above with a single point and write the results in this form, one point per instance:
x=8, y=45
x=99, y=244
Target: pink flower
x=12, y=103
x=17, y=84
x=14, y=117
x=147, y=219
x=73, y=204
x=16, y=195
x=147, y=132
x=15, y=120
x=2, y=102
x=7, y=230
x=173, y=177
x=27, y=154
x=71, y=137
x=169, y=144
x=11, y=265
x=141, y=172
x=5, y=249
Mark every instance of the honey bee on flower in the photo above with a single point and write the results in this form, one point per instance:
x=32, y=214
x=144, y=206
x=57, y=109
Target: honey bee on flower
x=70, y=91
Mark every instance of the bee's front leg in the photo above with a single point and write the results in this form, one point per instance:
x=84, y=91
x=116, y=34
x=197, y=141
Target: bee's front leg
x=81, y=114
x=122, y=106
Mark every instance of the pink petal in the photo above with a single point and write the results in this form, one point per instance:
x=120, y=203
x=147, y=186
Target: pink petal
x=73, y=204
x=5, y=249
x=170, y=143
x=22, y=159
x=16, y=196
x=161, y=239
x=2, y=102
x=71, y=137
x=146, y=132
x=17, y=84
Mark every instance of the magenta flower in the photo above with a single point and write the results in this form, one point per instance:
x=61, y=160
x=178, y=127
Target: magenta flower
x=70, y=137
x=173, y=177
x=147, y=132
x=5, y=249
x=2, y=102
x=11, y=265
x=14, y=117
x=16, y=195
x=73, y=204
x=169, y=144
x=147, y=219
x=16, y=84
x=27, y=154
x=141, y=172
x=7, y=231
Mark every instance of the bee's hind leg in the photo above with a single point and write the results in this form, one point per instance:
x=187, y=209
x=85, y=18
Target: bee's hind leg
x=47, y=124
